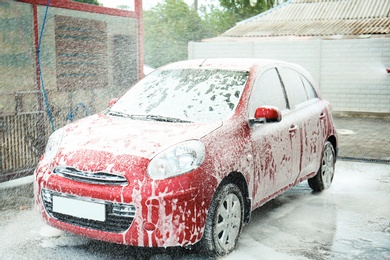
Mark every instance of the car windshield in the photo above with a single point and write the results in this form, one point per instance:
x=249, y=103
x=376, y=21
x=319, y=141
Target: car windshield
x=183, y=95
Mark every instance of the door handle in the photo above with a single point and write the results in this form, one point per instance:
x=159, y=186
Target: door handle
x=293, y=128
x=322, y=116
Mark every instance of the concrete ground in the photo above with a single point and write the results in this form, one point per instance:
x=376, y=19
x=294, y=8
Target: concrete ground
x=350, y=220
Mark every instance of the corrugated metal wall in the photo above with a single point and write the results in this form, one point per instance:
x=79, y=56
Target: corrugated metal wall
x=318, y=18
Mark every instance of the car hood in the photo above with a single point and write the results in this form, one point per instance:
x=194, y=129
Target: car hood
x=123, y=136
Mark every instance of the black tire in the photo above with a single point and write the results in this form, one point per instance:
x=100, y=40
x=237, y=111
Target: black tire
x=224, y=222
x=324, y=177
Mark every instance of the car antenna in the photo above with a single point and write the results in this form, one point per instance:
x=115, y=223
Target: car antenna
x=200, y=65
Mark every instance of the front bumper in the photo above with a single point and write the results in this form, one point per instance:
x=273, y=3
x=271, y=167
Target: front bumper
x=147, y=213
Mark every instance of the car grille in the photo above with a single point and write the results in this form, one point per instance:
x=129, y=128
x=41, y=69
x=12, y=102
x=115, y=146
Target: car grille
x=119, y=216
x=90, y=177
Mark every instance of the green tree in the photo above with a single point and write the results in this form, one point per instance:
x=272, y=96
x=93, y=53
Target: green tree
x=243, y=9
x=92, y=2
x=168, y=28
x=170, y=25
x=216, y=21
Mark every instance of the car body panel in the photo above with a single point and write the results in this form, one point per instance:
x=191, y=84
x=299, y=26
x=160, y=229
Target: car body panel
x=136, y=137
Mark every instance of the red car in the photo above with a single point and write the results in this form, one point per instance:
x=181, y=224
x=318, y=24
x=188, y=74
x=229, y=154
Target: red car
x=187, y=153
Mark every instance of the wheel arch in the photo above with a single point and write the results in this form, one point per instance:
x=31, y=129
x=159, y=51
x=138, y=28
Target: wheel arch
x=332, y=139
x=238, y=179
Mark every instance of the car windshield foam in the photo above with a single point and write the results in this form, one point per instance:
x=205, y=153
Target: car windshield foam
x=187, y=94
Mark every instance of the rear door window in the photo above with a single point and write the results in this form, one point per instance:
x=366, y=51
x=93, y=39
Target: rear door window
x=295, y=89
x=311, y=93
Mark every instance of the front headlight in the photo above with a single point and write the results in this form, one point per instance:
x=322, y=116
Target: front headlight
x=177, y=160
x=53, y=144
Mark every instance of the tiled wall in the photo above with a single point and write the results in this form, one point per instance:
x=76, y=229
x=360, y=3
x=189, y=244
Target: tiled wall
x=351, y=72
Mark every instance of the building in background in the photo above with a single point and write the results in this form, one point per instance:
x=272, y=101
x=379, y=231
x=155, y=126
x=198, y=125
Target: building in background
x=345, y=44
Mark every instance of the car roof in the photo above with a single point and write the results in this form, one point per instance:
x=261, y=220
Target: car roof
x=244, y=64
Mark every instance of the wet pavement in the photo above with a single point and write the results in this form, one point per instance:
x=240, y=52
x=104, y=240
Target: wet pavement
x=350, y=220
x=364, y=138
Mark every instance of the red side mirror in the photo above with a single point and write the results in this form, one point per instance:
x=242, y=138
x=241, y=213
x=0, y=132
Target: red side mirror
x=112, y=102
x=267, y=114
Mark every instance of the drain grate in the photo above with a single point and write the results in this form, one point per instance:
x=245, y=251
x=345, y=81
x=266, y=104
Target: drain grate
x=346, y=158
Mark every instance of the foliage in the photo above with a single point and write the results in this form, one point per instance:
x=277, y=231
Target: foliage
x=243, y=9
x=216, y=21
x=168, y=29
x=170, y=25
x=92, y=2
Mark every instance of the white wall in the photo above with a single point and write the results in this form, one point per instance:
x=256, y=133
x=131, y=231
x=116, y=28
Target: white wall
x=351, y=72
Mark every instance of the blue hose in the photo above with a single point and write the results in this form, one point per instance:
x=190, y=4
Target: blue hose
x=72, y=113
x=40, y=70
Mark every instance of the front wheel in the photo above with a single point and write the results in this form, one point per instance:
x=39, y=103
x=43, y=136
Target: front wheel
x=324, y=176
x=224, y=221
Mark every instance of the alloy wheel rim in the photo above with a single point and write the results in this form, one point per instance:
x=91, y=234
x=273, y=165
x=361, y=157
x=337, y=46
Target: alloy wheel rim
x=228, y=221
x=327, y=166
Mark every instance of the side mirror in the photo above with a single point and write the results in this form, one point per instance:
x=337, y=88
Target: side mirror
x=266, y=114
x=112, y=102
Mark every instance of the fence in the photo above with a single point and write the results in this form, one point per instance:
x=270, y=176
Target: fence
x=23, y=135
x=22, y=144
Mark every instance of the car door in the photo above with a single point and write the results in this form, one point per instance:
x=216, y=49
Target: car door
x=309, y=113
x=273, y=144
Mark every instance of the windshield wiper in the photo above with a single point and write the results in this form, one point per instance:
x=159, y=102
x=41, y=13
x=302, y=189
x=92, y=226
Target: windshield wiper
x=148, y=117
x=167, y=119
x=117, y=113
x=159, y=118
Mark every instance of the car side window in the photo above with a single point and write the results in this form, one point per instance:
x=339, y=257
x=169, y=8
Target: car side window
x=295, y=89
x=311, y=93
x=267, y=91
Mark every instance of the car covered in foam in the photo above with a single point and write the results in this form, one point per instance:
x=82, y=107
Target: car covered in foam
x=185, y=155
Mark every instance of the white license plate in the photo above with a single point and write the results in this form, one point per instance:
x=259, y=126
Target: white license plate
x=79, y=208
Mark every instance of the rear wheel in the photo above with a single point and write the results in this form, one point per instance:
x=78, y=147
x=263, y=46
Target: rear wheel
x=324, y=176
x=224, y=221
